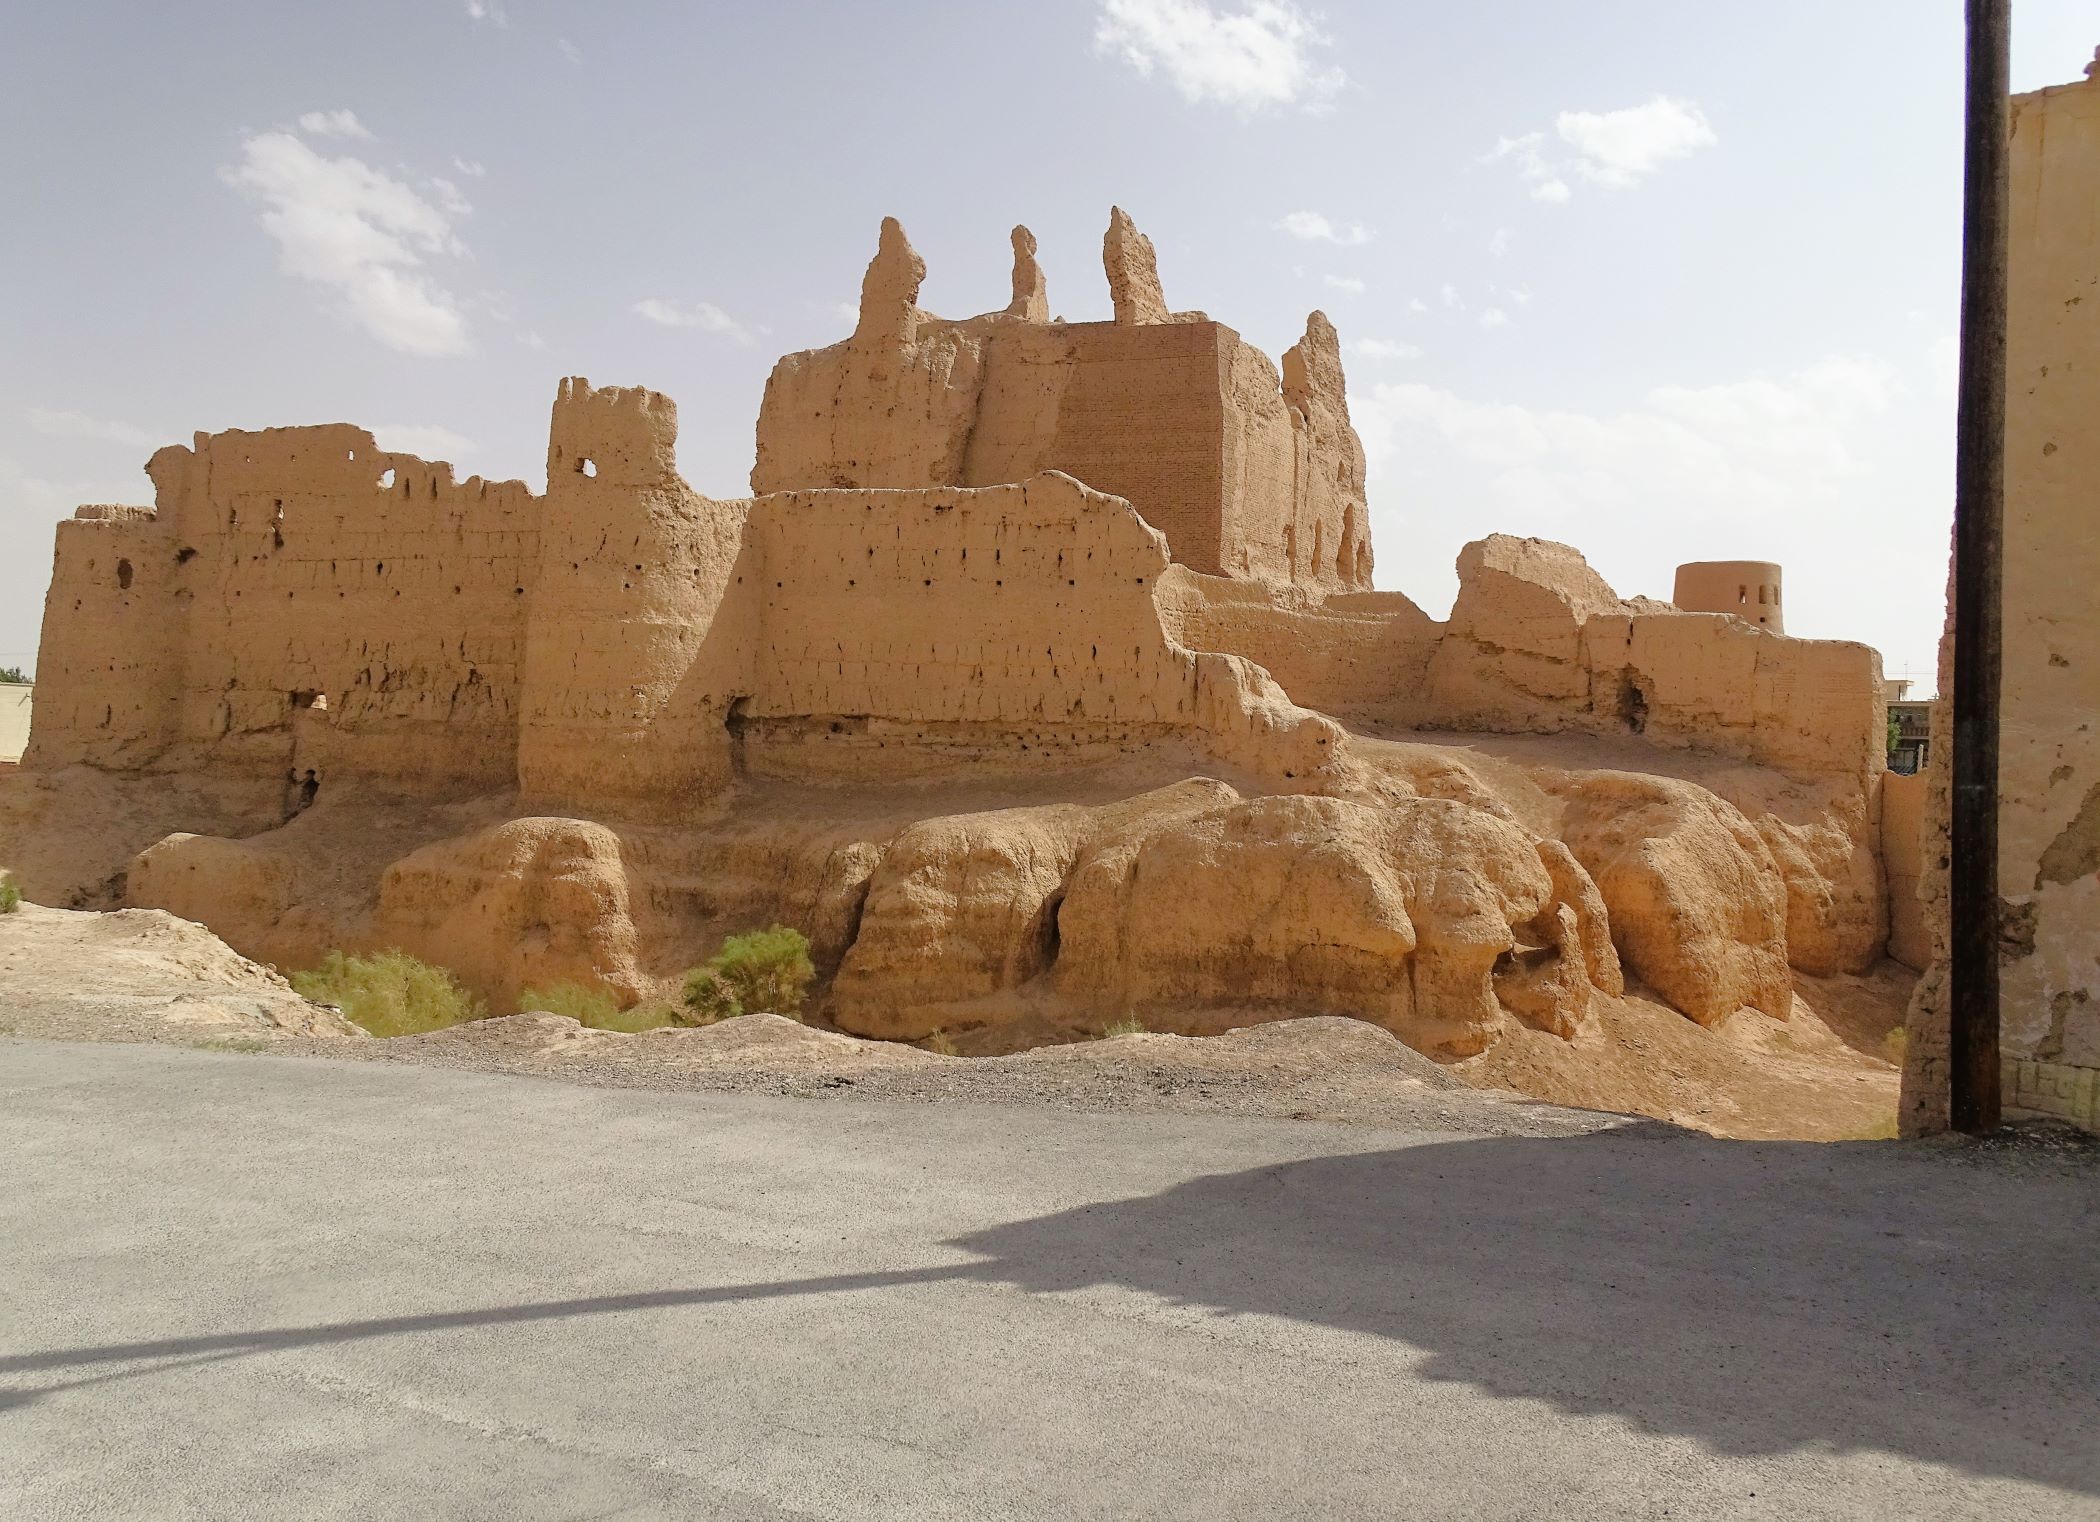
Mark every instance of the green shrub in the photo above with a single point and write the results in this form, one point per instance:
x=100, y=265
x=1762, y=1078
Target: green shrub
x=758, y=972
x=595, y=1005
x=643, y=1017
x=1129, y=1025
x=389, y=993
x=10, y=893
x=585, y=1003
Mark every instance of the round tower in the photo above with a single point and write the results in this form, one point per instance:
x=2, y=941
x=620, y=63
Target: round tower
x=1747, y=588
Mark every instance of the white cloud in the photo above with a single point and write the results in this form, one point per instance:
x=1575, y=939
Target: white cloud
x=1614, y=148
x=345, y=225
x=569, y=50
x=1417, y=305
x=1348, y=285
x=343, y=123
x=1735, y=470
x=449, y=197
x=487, y=10
x=1533, y=168
x=532, y=340
x=1383, y=348
x=473, y=169
x=1494, y=317
x=704, y=315
x=1499, y=244
x=425, y=439
x=1258, y=56
x=1453, y=302
x=1619, y=148
x=78, y=425
x=1314, y=228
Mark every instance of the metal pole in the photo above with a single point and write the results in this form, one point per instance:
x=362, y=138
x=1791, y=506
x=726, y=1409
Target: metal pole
x=1979, y=575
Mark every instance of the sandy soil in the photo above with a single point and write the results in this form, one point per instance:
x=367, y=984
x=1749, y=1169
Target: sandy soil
x=141, y=975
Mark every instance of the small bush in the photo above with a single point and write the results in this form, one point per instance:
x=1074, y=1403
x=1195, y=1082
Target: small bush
x=643, y=1017
x=939, y=1043
x=587, y=1004
x=10, y=893
x=389, y=993
x=1129, y=1025
x=759, y=972
x=1893, y=1044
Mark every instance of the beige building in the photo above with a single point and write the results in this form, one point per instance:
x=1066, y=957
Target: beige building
x=14, y=721
x=2049, y=758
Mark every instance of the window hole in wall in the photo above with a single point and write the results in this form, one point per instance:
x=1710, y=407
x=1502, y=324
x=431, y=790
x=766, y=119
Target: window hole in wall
x=586, y=466
x=124, y=575
x=386, y=479
x=1633, y=703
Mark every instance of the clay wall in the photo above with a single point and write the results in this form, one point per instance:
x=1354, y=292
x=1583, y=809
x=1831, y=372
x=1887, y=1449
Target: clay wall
x=1362, y=656
x=1903, y=860
x=1008, y=621
x=641, y=618
x=2049, y=756
x=298, y=600
x=109, y=658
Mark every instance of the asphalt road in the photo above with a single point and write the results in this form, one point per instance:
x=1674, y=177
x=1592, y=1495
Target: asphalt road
x=249, y=1286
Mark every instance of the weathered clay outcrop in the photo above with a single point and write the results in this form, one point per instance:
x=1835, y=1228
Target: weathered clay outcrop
x=1697, y=907
x=530, y=902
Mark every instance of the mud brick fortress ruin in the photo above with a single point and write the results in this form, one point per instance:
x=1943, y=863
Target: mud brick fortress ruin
x=1040, y=682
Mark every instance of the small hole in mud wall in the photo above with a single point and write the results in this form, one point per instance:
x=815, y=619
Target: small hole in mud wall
x=586, y=466
x=386, y=479
x=1633, y=704
x=124, y=574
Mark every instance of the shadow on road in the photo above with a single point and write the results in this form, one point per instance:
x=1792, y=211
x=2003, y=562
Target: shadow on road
x=1759, y=1297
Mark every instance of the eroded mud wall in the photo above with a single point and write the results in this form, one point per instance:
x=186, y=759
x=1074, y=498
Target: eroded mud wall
x=2049, y=756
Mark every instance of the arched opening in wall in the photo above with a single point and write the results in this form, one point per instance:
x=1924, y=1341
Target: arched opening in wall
x=386, y=479
x=1290, y=547
x=1319, y=546
x=1632, y=703
x=124, y=575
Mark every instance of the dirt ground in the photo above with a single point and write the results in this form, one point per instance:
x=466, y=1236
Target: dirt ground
x=141, y=975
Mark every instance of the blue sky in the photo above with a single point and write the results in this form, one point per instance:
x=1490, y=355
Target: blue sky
x=1664, y=281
